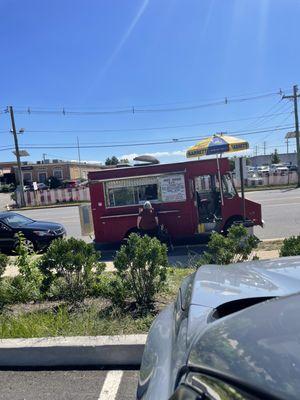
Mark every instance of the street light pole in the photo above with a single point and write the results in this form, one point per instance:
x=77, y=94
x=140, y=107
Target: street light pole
x=79, y=157
x=14, y=132
x=295, y=96
x=295, y=92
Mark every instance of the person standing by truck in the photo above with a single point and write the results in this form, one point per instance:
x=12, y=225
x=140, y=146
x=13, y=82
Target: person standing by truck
x=147, y=222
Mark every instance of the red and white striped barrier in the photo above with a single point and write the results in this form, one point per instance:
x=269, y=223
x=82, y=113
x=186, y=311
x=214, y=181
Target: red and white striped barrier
x=54, y=196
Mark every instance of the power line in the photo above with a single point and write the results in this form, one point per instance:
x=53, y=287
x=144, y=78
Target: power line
x=147, y=143
x=149, y=128
x=134, y=110
x=237, y=133
x=235, y=97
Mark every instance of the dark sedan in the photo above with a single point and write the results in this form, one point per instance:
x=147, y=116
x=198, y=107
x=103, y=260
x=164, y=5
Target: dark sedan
x=38, y=234
x=232, y=334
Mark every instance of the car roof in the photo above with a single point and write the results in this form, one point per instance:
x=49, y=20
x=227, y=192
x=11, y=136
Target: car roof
x=259, y=346
x=217, y=284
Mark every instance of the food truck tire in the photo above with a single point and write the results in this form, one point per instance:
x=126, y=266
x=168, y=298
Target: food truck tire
x=231, y=221
x=128, y=233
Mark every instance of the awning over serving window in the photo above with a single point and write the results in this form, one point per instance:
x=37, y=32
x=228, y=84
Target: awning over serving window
x=132, y=182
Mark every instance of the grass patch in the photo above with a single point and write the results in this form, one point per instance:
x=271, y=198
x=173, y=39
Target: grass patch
x=94, y=318
x=62, y=322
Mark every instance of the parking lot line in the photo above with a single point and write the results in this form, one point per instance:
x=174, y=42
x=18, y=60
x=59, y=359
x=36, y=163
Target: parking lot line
x=111, y=384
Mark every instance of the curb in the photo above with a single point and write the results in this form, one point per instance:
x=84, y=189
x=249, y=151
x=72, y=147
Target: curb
x=272, y=240
x=73, y=351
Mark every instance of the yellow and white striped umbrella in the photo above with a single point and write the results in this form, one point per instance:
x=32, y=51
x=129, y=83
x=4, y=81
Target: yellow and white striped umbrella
x=217, y=144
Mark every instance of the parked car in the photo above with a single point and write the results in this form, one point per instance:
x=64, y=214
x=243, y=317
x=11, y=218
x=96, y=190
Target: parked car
x=279, y=169
x=38, y=234
x=292, y=168
x=263, y=170
x=232, y=333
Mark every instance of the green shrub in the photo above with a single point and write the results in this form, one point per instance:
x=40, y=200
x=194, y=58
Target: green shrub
x=110, y=286
x=69, y=269
x=141, y=270
x=6, y=188
x=26, y=286
x=236, y=247
x=3, y=265
x=290, y=247
x=13, y=196
x=20, y=290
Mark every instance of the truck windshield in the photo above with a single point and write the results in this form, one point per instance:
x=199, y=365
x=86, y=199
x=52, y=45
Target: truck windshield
x=228, y=187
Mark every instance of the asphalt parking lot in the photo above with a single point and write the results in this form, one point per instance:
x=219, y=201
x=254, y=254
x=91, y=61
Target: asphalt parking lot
x=68, y=385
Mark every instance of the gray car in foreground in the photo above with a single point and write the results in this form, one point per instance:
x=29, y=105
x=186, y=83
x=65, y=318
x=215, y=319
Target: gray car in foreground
x=233, y=333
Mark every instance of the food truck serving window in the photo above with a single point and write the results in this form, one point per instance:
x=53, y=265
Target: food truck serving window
x=165, y=188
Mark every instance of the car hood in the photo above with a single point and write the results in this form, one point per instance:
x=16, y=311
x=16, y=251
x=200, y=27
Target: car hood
x=260, y=346
x=214, y=285
x=42, y=225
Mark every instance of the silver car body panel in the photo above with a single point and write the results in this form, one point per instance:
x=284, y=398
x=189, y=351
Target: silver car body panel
x=174, y=330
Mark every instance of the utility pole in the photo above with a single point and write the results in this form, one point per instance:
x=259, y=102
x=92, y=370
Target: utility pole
x=295, y=96
x=14, y=132
x=79, y=158
x=265, y=148
x=287, y=146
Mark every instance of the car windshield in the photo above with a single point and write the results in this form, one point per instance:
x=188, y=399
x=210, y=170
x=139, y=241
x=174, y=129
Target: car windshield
x=16, y=220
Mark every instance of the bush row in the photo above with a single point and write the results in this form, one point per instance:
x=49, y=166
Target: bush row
x=71, y=271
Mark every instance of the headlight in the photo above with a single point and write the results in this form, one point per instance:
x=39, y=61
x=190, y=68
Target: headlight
x=43, y=233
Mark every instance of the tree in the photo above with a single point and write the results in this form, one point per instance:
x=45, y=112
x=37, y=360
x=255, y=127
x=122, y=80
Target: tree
x=124, y=161
x=275, y=157
x=112, y=161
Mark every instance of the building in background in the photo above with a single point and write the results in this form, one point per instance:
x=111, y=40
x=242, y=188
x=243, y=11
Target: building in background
x=286, y=158
x=41, y=171
x=7, y=174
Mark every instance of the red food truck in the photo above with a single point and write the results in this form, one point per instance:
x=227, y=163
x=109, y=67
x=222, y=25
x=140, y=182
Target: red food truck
x=187, y=197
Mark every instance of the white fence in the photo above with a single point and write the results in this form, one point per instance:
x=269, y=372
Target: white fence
x=270, y=180
x=54, y=196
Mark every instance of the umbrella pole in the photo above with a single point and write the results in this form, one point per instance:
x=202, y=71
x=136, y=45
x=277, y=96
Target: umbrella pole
x=220, y=182
x=242, y=188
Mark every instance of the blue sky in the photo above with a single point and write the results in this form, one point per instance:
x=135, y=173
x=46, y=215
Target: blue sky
x=112, y=54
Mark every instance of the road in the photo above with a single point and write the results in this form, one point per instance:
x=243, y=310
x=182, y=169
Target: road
x=280, y=209
x=68, y=385
x=68, y=216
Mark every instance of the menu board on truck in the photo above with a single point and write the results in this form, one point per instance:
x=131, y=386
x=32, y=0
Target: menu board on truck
x=172, y=188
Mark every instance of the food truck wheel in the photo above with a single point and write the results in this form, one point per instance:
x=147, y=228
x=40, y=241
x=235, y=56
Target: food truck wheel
x=133, y=230
x=231, y=221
